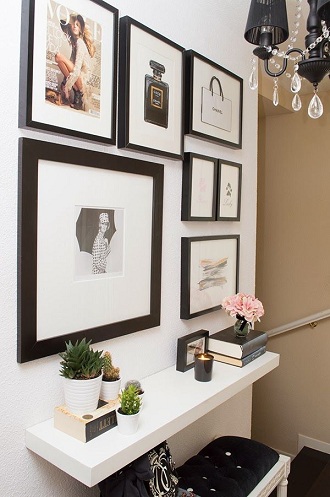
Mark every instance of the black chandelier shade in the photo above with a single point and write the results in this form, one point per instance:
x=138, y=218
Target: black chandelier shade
x=267, y=23
x=323, y=9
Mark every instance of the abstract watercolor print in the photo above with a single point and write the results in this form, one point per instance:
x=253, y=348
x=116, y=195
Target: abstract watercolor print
x=213, y=273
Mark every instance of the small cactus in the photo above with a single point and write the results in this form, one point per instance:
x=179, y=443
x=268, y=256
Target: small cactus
x=137, y=385
x=110, y=373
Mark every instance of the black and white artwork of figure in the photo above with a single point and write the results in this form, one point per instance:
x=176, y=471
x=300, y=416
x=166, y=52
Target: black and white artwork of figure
x=99, y=242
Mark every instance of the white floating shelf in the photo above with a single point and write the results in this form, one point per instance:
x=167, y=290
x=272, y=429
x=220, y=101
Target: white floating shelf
x=172, y=401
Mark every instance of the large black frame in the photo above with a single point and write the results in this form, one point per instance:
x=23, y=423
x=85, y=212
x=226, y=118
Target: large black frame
x=193, y=105
x=27, y=63
x=30, y=153
x=124, y=96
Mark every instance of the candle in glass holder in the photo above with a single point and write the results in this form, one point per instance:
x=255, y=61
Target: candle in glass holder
x=203, y=367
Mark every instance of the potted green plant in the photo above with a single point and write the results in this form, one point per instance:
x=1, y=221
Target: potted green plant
x=110, y=385
x=138, y=386
x=129, y=410
x=81, y=368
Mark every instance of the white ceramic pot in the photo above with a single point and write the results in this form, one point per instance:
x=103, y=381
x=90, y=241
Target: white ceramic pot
x=110, y=390
x=82, y=396
x=127, y=423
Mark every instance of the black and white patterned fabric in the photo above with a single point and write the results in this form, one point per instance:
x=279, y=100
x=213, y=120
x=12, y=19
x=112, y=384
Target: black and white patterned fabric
x=164, y=482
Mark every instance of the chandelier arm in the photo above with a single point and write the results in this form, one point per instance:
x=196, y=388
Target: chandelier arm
x=285, y=63
x=275, y=74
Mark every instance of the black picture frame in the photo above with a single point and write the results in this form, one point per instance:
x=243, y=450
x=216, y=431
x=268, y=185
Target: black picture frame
x=209, y=272
x=184, y=358
x=203, y=118
x=150, y=119
x=90, y=114
x=199, y=187
x=53, y=180
x=229, y=191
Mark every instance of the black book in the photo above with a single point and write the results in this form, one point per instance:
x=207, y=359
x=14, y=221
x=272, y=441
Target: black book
x=226, y=342
x=239, y=362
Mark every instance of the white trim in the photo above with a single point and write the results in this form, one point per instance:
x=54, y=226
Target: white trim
x=312, y=443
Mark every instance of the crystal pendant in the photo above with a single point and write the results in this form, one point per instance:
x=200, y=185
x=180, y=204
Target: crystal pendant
x=296, y=102
x=275, y=96
x=253, y=80
x=295, y=83
x=315, y=108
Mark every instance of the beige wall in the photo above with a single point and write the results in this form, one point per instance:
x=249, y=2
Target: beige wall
x=293, y=276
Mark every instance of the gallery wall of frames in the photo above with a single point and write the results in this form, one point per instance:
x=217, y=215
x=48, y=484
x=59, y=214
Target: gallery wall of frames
x=68, y=87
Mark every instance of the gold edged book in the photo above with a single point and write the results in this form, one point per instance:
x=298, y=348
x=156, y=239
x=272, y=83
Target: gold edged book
x=239, y=362
x=88, y=426
x=227, y=343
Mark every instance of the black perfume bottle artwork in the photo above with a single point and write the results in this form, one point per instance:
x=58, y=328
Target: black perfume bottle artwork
x=156, y=96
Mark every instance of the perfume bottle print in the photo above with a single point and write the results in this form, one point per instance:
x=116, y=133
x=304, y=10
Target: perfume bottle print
x=156, y=96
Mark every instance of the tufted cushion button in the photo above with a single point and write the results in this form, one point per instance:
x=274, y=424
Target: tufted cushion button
x=190, y=489
x=228, y=453
x=239, y=466
x=204, y=477
x=213, y=489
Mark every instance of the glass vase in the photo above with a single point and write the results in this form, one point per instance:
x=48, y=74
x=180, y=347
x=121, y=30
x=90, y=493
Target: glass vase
x=241, y=328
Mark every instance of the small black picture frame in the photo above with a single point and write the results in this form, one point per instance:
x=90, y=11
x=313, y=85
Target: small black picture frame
x=199, y=187
x=209, y=272
x=229, y=191
x=188, y=346
x=150, y=112
x=213, y=101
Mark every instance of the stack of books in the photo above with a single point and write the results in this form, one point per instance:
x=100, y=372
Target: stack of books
x=226, y=347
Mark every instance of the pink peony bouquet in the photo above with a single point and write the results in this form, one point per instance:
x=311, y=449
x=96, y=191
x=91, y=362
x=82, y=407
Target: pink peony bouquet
x=243, y=306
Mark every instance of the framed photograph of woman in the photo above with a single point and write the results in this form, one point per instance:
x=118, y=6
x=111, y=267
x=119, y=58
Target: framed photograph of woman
x=85, y=218
x=209, y=272
x=150, y=92
x=68, y=68
x=213, y=101
x=229, y=191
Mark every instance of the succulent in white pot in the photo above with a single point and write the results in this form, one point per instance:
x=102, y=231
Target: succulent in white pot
x=81, y=368
x=129, y=410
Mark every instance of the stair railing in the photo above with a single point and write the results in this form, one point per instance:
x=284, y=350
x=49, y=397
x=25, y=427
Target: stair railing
x=311, y=320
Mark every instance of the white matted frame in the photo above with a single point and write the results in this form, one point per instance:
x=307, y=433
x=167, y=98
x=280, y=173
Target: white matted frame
x=150, y=112
x=209, y=272
x=229, y=191
x=199, y=187
x=61, y=296
x=45, y=37
x=213, y=101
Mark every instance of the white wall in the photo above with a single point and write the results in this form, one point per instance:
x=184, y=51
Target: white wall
x=32, y=390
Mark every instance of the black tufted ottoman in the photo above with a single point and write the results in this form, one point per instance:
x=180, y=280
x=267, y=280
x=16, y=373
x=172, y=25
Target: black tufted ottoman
x=234, y=467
